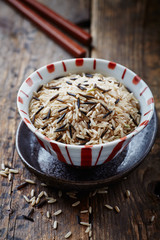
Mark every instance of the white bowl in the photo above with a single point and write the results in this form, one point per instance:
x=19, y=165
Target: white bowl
x=94, y=154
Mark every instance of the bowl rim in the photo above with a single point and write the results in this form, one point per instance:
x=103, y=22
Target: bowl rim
x=44, y=138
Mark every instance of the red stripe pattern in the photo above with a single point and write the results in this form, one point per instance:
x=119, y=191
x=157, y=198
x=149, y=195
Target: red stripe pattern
x=143, y=91
x=150, y=100
x=86, y=156
x=29, y=82
x=79, y=62
x=68, y=155
x=39, y=75
x=115, y=150
x=40, y=142
x=111, y=65
x=147, y=112
x=24, y=93
x=144, y=123
x=50, y=68
x=136, y=80
x=124, y=72
x=26, y=120
x=94, y=64
x=20, y=100
x=64, y=66
x=58, y=151
x=23, y=112
x=99, y=155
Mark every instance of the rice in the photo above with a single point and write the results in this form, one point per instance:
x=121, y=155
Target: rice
x=99, y=112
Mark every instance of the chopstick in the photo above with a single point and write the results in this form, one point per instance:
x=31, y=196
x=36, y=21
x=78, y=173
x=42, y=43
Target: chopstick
x=63, y=40
x=81, y=35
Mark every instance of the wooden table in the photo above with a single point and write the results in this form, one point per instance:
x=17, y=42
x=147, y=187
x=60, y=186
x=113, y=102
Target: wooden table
x=123, y=31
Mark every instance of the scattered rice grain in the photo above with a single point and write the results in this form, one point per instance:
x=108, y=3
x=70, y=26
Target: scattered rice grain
x=108, y=206
x=85, y=224
x=30, y=181
x=43, y=184
x=57, y=212
x=76, y=204
x=117, y=209
x=68, y=234
x=15, y=171
x=48, y=214
x=26, y=198
x=55, y=225
x=84, y=211
x=128, y=193
x=152, y=218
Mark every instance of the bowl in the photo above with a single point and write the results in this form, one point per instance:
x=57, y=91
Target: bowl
x=92, y=155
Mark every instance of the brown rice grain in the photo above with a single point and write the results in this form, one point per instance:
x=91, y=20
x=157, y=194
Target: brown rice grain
x=48, y=214
x=32, y=193
x=57, y=212
x=117, y=209
x=43, y=184
x=108, y=206
x=76, y=204
x=15, y=171
x=55, y=225
x=85, y=224
x=68, y=234
x=84, y=211
x=128, y=193
x=30, y=181
x=3, y=166
x=26, y=198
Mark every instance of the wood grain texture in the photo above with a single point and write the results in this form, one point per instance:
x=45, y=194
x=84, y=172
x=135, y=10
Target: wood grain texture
x=125, y=32
x=128, y=33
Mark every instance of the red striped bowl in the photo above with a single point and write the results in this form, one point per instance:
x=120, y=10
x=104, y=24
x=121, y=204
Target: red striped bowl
x=86, y=155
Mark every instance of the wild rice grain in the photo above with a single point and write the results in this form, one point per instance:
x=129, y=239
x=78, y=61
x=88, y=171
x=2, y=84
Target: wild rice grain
x=30, y=212
x=30, y=181
x=28, y=218
x=55, y=225
x=57, y=212
x=117, y=209
x=78, y=103
x=41, y=204
x=107, y=114
x=54, y=97
x=103, y=133
x=61, y=118
x=68, y=234
x=108, y=206
x=48, y=115
x=76, y=204
x=35, y=98
x=62, y=109
x=22, y=185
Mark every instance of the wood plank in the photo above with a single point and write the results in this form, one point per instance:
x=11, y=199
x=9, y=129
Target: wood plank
x=127, y=33
x=25, y=49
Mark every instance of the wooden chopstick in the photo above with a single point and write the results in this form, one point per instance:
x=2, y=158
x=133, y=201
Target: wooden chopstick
x=81, y=35
x=63, y=40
